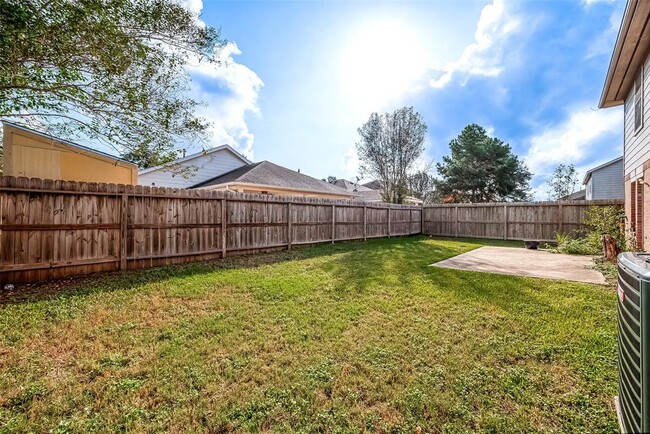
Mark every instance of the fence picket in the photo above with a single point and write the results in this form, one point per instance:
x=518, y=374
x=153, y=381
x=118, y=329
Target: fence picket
x=53, y=229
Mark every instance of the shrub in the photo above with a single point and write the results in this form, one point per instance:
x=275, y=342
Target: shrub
x=606, y=220
x=600, y=220
x=575, y=246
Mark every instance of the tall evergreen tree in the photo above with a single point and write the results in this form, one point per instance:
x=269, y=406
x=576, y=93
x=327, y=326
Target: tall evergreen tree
x=481, y=168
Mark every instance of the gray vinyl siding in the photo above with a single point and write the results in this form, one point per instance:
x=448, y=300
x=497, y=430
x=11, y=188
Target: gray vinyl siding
x=637, y=144
x=607, y=182
x=203, y=168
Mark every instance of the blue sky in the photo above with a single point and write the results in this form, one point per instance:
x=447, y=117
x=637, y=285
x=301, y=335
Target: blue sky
x=301, y=77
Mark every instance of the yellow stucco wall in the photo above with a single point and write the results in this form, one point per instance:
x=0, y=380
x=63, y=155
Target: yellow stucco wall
x=35, y=156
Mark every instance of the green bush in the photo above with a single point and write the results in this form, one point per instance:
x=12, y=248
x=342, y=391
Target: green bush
x=606, y=220
x=600, y=220
x=575, y=246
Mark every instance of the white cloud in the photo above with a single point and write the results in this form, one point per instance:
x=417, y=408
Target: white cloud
x=232, y=95
x=591, y=2
x=350, y=163
x=570, y=141
x=485, y=56
x=194, y=6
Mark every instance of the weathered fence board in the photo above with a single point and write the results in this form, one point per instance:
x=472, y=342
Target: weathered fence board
x=52, y=229
x=539, y=221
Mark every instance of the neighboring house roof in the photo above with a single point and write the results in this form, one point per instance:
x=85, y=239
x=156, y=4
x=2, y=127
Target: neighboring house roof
x=377, y=186
x=374, y=185
x=577, y=195
x=364, y=193
x=267, y=173
x=197, y=155
x=629, y=53
x=602, y=166
x=65, y=142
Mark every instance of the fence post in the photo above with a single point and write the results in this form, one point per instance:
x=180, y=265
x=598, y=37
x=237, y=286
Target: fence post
x=224, y=216
x=388, y=222
x=410, y=221
x=333, y=223
x=365, y=222
x=123, y=230
x=456, y=221
x=422, y=220
x=560, y=212
x=289, y=226
x=505, y=222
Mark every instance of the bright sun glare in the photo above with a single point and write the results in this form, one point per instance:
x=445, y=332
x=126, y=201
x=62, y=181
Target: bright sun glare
x=382, y=60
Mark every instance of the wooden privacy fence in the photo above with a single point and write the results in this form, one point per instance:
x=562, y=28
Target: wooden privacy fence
x=538, y=221
x=51, y=229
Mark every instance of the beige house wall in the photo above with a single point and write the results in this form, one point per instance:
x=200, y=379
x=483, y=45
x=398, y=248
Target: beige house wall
x=276, y=191
x=35, y=156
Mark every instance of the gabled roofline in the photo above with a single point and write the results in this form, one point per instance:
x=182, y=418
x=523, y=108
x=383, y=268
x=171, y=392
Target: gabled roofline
x=196, y=155
x=66, y=142
x=590, y=171
x=206, y=181
x=275, y=187
x=630, y=51
x=228, y=178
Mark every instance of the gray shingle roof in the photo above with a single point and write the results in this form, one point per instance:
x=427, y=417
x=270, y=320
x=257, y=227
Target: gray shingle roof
x=364, y=193
x=373, y=185
x=267, y=173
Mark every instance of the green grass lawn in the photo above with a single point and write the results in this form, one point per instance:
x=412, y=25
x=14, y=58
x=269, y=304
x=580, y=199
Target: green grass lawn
x=355, y=337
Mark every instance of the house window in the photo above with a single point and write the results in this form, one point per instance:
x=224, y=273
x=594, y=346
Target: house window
x=638, y=101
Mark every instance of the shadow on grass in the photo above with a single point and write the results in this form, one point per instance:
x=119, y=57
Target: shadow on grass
x=362, y=259
x=354, y=266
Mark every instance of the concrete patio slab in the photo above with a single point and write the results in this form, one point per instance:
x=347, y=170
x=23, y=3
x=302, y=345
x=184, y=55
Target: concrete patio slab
x=529, y=263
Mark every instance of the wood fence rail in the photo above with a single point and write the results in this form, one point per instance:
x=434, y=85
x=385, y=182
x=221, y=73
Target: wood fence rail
x=538, y=221
x=52, y=229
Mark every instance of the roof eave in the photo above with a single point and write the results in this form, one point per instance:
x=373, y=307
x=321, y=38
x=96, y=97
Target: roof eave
x=224, y=147
x=609, y=103
x=629, y=53
x=274, y=187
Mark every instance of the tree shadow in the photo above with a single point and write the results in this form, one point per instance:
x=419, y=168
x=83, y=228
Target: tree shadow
x=80, y=286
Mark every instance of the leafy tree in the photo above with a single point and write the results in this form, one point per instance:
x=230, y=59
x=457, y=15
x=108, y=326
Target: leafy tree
x=150, y=156
x=564, y=181
x=389, y=147
x=422, y=185
x=106, y=70
x=482, y=169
